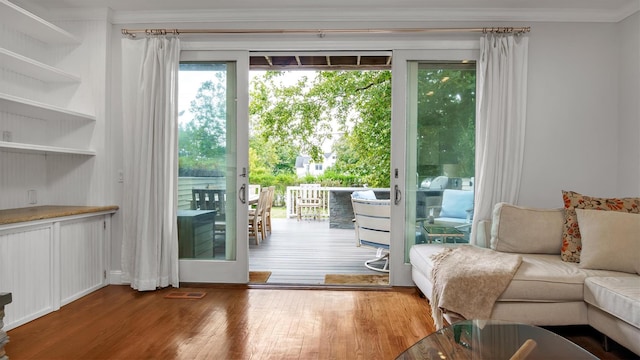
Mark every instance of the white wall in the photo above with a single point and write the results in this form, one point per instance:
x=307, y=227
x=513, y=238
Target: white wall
x=576, y=114
x=629, y=106
x=572, y=112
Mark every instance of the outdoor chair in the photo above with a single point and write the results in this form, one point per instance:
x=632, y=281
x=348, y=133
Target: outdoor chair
x=309, y=201
x=257, y=217
x=372, y=224
x=456, y=209
x=267, y=210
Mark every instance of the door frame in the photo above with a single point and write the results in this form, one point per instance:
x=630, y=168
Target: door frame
x=228, y=271
x=403, y=50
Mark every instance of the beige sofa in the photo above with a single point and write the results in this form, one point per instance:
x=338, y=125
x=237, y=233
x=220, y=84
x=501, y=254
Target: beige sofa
x=546, y=290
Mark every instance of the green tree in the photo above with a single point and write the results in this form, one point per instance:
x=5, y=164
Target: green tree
x=446, y=119
x=306, y=114
x=202, y=141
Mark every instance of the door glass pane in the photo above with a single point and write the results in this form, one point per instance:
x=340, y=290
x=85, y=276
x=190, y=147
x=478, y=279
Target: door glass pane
x=206, y=143
x=441, y=156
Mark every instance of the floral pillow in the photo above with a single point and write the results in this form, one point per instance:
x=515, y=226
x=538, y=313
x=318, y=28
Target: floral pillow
x=571, y=240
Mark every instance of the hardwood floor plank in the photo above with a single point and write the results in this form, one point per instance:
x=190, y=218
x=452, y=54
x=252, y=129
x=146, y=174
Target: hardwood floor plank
x=228, y=323
x=233, y=322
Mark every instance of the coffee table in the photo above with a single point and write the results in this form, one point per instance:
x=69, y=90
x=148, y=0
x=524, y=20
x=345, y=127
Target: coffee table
x=435, y=231
x=493, y=339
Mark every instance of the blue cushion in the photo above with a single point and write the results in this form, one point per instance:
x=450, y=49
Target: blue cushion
x=455, y=203
x=364, y=195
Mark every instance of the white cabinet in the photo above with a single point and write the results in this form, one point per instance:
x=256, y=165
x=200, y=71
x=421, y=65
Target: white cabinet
x=82, y=257
x=26, y=265
x=25, y=76
x=49, y=263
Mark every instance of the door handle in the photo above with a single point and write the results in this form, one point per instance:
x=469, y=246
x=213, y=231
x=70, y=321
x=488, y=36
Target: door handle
x=398, y=195
x=242, y=194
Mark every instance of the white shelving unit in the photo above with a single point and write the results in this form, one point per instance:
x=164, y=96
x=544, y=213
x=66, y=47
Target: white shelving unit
x=41, y=149
x=38, y=110
x=22, y=20
x=34, y=26
x=26, y=66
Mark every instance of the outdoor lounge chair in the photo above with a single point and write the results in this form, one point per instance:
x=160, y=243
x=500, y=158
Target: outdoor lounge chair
x=456, y=209
x=372, y=224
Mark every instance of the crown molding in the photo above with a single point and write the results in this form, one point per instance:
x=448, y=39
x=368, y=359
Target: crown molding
x=628, y=10
x=377, y=15
x=84, y=14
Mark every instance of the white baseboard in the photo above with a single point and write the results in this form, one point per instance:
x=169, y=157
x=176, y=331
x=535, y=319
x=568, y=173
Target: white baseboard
x=115, y=278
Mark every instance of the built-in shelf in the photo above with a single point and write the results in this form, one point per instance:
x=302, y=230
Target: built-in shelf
x=24, y=21
x=26, y=66
x=37, y=110
x=41, y=149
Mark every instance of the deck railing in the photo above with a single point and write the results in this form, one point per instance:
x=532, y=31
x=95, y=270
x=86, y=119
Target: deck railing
x=291, y=200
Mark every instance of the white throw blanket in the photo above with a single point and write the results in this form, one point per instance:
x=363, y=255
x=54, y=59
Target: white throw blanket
x=467, y=280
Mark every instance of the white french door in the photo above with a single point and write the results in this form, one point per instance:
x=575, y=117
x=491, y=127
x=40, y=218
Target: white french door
x=213, y=151
x=408, y=151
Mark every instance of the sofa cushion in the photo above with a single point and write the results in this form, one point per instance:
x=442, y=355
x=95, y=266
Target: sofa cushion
x=540, y=277
x=610, y=240
x=618, y=296
x=545, y=278
x=571, y=240
x=526, y=230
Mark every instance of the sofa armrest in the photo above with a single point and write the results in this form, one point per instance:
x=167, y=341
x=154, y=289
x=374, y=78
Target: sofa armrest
x=483, y=234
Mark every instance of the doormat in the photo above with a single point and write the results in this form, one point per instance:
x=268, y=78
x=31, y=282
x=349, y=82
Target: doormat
x=355, y=279
x=259, y=277
x=185, y=295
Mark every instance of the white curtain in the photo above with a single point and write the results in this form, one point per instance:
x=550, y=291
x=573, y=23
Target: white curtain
x=150, y=134
x=500, y=122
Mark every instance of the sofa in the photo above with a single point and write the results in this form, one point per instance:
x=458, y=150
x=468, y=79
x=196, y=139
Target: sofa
x=550, y=287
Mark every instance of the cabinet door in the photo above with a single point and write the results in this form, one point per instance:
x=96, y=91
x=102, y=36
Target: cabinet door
x=82, y=262
x=26, y=271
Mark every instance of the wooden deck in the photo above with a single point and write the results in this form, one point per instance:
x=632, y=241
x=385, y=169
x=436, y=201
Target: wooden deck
x=303, y=252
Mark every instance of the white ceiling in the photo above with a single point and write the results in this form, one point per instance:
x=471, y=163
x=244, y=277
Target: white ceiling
x=453, y=10
x=140, y=5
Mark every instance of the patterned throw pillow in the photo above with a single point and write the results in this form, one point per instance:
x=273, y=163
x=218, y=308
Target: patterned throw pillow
x=571, y=243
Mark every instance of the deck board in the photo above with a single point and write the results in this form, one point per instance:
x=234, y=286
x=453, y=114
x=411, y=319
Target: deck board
x=303, y=252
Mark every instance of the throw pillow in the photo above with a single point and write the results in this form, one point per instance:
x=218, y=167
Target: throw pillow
x=525, y=230
x=610, y=240
x=571, y=244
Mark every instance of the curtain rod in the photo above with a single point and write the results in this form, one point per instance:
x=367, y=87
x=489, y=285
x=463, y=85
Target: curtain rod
x=322, y=33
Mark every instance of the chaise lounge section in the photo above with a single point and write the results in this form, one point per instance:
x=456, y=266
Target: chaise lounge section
x=547, y=290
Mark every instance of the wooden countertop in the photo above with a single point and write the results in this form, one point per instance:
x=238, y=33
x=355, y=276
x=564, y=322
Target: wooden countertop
x=10, y=216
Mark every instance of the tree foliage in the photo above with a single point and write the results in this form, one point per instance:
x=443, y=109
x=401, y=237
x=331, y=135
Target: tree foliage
x=202, y=141
x=356, y=104
x=446, y=120
x=351, y=108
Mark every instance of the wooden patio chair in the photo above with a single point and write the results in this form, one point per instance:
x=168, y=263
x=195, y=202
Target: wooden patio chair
x=267, y=210
x=257, y=217
x=309, y=201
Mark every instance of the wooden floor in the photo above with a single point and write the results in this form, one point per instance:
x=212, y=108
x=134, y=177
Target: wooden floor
x=303, y=252
x=236, y=322
x=228, y=323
